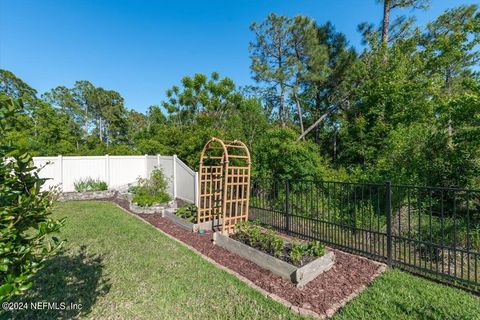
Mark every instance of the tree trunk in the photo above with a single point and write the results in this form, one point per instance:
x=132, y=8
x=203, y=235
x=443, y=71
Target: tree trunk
x=450, y=134
x=300, y=116
x=316, y=123
x=100, y=129
x=281, y=109
x=318, y=105
x=386, y=21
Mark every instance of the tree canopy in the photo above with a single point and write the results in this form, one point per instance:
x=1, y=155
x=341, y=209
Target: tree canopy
x=405, y=108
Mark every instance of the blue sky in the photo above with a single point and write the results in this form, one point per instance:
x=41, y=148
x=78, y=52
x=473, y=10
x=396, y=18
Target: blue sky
x=142, y=48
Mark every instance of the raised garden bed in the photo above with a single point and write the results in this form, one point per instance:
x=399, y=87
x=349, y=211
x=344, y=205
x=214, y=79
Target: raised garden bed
x=87, y=195
x=299, y=263
x=185, y=224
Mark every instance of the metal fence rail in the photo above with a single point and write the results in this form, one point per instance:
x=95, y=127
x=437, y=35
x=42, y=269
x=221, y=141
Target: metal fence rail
x=432, y=231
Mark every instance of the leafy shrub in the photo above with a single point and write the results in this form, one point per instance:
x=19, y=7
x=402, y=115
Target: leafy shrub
x=90, y=184
x=187, y=212
x=151, y=191
x=279, y=154
x=25, y=226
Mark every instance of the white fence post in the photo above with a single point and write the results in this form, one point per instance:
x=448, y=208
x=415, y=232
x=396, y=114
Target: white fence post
x=195, y=184
x=145, y=163
x=60, y=170
x=174, y=158
x=158, y=160
x=107, y=169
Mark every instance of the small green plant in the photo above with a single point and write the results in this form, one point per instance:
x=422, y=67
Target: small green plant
x=315, y=249
x=277, y=245
x=187, y=212
x=296, y=253
x=151, y=191
x=90, y=184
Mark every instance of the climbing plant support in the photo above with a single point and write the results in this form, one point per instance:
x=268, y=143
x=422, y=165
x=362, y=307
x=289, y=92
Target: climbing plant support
x=224, y=184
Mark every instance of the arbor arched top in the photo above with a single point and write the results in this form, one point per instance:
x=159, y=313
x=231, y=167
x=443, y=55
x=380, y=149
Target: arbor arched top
x=217, y=151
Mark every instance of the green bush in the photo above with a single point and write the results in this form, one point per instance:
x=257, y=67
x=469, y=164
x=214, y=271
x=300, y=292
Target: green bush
x=278, y=154
x=90, y=184
x=25, y=226
x=151, y=191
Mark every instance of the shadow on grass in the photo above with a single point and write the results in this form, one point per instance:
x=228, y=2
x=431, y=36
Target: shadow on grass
x=66, y=278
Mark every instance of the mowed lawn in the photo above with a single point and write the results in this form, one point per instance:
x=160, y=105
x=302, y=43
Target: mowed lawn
x=118, y=267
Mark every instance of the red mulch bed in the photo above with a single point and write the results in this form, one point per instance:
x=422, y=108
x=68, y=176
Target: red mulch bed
x=329, y=290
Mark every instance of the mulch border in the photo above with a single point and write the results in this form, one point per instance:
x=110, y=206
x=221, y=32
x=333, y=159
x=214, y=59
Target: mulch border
x=292, y=307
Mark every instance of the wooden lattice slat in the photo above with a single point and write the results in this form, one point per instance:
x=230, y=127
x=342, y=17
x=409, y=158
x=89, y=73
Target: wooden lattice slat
x=224, y=175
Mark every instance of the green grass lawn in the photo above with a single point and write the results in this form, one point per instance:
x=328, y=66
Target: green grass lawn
x=398, y=295
x=120, y=268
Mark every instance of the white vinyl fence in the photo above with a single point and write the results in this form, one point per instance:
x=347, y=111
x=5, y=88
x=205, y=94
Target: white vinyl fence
x=118, y=171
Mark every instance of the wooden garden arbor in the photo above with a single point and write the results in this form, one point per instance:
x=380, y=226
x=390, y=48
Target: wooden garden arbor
x=224, y=186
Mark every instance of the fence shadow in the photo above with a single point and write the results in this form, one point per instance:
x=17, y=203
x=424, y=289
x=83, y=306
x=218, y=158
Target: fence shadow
x=71, y=279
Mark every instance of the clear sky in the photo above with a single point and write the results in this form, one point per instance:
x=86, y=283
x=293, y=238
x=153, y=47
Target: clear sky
x=141, y=48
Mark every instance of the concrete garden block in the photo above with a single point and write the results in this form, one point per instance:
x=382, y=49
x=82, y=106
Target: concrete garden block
x=298, y=275
x=148, y=209
x=87, y=195
x=194, y=227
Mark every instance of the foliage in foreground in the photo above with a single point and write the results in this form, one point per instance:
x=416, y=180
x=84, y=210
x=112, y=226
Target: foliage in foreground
x=25, y=226
x=90, y=184
x=151, y=191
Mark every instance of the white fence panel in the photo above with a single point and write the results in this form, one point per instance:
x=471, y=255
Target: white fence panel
x=50, y=170
x=125, y=169
x=118, y=171
x=76, y=168
x=166, y=163
x=185, y=178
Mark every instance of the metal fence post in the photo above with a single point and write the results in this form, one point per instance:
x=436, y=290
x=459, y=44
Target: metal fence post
x=388, y=209
x=287, y=207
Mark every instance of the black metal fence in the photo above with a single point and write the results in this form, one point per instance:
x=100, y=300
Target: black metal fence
x=432, y=231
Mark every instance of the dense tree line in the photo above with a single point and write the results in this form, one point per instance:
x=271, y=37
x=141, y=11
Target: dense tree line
x=406, y=108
